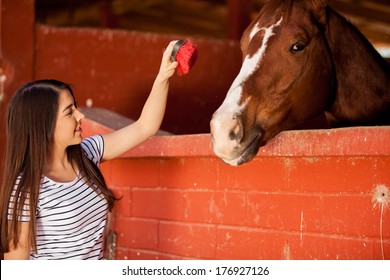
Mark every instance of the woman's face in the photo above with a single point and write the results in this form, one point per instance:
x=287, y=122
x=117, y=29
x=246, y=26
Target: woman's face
x=68, y=126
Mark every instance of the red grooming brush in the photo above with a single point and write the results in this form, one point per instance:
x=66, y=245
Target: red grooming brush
x=186, y=54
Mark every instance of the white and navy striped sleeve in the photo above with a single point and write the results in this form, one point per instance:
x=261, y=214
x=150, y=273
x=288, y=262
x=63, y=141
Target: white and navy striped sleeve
x=25, y=216
x=93, y=148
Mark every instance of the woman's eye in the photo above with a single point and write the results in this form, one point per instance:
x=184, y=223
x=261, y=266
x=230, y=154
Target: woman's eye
x=70, y=112
x=298, y=46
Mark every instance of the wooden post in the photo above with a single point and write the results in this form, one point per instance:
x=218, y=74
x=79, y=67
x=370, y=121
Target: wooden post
x=238, y=17
x=16, y=52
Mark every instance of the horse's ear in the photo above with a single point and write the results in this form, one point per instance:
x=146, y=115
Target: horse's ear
x=319, y=10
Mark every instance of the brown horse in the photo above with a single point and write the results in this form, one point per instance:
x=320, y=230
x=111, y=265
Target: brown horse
x=300, y=59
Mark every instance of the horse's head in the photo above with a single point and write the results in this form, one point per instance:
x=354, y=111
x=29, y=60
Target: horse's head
x=285, y=78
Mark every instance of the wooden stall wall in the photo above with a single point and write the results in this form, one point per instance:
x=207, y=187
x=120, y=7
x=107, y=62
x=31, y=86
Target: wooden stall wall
x=319, y=194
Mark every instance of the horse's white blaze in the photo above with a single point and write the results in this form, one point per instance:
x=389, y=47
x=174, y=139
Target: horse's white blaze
x=230, y=106
x=254, y=31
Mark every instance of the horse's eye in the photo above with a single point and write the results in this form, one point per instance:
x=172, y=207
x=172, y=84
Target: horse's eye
x=298, y=46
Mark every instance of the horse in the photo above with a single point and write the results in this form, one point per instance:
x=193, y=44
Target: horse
x=301, y=59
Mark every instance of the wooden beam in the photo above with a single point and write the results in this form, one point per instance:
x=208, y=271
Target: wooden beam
x=17, y=48
x=239, y=12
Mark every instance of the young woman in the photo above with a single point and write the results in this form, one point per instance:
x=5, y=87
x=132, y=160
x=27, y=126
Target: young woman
x=54, y=200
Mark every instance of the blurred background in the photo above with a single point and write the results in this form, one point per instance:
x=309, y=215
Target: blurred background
x=205, y=18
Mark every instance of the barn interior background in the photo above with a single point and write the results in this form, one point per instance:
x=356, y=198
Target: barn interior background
x=309, y=194
x=205, y=18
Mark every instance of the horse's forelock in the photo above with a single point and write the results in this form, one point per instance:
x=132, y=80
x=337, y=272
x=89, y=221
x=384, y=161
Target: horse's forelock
x=273, y=7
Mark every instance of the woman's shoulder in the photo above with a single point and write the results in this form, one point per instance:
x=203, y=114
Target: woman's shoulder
x=95, y=141
x=93, y=148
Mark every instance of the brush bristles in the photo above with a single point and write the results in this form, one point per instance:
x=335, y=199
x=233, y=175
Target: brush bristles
x=186, y=56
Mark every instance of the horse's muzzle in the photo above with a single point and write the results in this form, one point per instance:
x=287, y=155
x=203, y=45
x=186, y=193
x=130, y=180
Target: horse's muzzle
x=229, y=140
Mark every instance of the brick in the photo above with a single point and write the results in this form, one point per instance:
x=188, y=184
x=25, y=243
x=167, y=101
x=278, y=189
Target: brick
x=152, y=255
x=189, y=172
x=143, y=255
x=158, y=203
x=346, y=214
x=215, y=207
x=268, y=173
x=135, y=172
x=105, y=168
x=123, y=254
x=122, y=206
x=190, y=240
x=247, y=243
x=136, y=233
x=349, y=141
x=322, y=247
x=314, y=174
x=283, y=211
x=353, y=215
x=338, y=174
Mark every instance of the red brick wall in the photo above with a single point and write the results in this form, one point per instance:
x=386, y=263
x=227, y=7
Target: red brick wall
x=307, y=195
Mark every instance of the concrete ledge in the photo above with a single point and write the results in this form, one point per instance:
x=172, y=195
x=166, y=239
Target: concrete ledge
x=353, y=141
x=111, y=120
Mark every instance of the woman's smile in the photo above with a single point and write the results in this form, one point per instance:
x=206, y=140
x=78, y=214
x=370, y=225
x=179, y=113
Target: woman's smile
x=78, y=129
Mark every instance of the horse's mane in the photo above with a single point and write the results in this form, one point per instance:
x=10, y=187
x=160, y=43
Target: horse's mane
x=382, y=62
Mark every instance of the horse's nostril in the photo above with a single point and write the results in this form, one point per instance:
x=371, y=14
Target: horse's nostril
x=236, y=133
x=232, y=136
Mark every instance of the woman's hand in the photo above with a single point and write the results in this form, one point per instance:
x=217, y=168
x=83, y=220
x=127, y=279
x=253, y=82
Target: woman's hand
x=167, y=67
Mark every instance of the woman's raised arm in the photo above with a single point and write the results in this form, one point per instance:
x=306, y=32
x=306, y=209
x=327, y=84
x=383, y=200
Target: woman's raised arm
x=149, y=122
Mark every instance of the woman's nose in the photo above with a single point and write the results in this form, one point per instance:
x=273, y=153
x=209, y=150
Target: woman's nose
x=79, y=116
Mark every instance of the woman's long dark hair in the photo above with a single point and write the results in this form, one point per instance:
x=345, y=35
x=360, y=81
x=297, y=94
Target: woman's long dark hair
x=30, y=123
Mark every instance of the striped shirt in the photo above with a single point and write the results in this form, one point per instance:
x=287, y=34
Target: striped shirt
x=71, y=216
